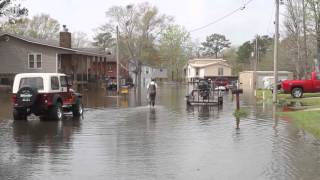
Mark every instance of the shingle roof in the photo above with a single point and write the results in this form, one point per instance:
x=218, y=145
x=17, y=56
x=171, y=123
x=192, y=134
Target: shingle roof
x=200, y=63
x=55, y=44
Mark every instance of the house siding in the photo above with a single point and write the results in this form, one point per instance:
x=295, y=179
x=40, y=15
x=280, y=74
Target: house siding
x=213, y=70
x=14, y=57
x=208, y=71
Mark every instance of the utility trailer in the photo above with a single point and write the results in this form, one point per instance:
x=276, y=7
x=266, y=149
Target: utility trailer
x=202, y=92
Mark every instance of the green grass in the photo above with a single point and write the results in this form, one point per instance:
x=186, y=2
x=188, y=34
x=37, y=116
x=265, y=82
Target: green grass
x=241, y=113
x=309, y=99
x=308, y=120
x=267, y=94
x=306, y=101
x=305, y=95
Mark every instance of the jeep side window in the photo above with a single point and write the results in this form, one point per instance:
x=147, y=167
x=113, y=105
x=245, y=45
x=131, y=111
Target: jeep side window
x=54, y=83
x=63, y=81
x=34, y=82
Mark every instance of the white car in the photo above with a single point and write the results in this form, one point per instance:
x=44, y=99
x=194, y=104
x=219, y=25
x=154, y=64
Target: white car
x=221, y=88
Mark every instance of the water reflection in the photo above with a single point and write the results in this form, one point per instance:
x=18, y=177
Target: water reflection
x=170, y=141
x=5, y=105
x=152, y=115
x=34, y=135
x=237, y=123
x=101, y=98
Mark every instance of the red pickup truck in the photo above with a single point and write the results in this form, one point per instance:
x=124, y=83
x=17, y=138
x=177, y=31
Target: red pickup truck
x=298, y=87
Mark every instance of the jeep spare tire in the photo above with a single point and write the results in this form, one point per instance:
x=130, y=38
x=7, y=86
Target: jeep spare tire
x=27, y=96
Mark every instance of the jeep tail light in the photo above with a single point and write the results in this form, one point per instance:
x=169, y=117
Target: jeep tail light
x=46, y=99
x=14, y=100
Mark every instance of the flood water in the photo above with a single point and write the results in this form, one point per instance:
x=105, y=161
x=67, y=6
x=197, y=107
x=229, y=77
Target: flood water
x=126, y=139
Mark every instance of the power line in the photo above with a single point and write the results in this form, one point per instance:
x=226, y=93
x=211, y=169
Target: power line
x=223, y=17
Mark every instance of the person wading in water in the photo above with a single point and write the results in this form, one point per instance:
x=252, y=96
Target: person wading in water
x=152, y=91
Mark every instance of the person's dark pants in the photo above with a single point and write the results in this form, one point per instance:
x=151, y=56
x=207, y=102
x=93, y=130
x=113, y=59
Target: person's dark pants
x=152, y=98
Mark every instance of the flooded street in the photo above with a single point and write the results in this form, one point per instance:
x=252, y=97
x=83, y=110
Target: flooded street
x=171, y=141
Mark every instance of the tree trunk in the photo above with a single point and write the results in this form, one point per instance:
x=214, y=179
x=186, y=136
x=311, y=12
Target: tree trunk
x=172, y=75
x=298, y=63
x=178, y=77
x=318, y=52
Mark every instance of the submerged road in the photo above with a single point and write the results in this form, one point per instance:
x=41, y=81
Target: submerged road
x=171, y=141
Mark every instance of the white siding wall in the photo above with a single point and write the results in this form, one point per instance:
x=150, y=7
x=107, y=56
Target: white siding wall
x=202, y=73
x=159, y=73
x=208, y=71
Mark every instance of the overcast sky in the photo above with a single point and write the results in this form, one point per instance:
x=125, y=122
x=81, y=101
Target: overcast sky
x=86, y=15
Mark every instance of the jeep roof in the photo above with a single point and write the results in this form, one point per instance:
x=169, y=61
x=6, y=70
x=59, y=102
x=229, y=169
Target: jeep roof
x=44, y=76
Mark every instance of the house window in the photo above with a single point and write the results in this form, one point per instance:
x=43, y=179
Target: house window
x=63, y=80
x=147, y=70
x=35, y=61
x=220, y=71
x=197, y=71
x=54, y=83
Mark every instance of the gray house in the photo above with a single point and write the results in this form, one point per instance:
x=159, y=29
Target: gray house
x=24, y=55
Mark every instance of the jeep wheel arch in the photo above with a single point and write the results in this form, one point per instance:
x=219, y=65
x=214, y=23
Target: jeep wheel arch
x=57, y=99
x=77, y=107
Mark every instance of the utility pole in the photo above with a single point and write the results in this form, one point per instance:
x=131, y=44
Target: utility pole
x=276, y=48
x=255, y=63
x=118, y=83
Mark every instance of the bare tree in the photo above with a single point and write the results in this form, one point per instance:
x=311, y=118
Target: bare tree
x=40, y=27
x=11, y=11
x=80, y=40
x=294, y=26
x=43, y=27
x=314, y=8
x=304, y=24
x=140, y=27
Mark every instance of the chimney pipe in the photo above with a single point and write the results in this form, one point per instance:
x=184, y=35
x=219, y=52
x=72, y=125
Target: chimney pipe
x=64, y=27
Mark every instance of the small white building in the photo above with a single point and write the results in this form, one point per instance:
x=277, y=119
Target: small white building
x=262, y=79
x=147, y=73
x=208, y=68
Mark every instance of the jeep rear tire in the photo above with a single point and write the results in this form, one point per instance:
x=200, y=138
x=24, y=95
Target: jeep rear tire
x=56, y=112
x=297, y=92
x=27, y=96
x=18, y=115
x=77, y=109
